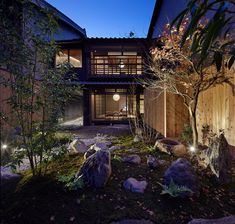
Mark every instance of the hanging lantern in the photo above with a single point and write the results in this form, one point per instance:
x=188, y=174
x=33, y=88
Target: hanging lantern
x=116, y=97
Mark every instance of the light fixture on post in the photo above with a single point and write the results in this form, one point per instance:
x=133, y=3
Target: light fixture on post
x=116, y=97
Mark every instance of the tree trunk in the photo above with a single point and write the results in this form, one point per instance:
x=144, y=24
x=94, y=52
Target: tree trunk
x=194, y=129
x=193, y=120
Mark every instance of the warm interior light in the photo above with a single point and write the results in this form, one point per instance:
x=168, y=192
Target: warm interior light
x=116, y=97
x=121, y=65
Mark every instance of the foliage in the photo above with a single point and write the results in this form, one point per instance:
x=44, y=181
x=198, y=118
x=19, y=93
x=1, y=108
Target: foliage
x=191, y=56
x=71, y=182
x=16, y=158
x=38, y=89
x=117, y=158
x=216, y=37
x=187, y=134
x=174, y=190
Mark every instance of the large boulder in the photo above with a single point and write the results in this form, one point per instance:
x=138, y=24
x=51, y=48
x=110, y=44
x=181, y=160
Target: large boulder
x=182, y=173
x=134, y=185
x=135, y=159
x=166, y=145
x=77, y=146
x=96, y=169
x=217, y=156
x=97, y=146
x=224, y=220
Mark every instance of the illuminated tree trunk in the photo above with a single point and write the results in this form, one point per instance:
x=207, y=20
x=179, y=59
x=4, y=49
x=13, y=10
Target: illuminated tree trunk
x=193, y=120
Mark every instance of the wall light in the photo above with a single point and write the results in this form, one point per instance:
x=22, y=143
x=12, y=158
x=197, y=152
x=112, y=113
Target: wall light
x=116, y=97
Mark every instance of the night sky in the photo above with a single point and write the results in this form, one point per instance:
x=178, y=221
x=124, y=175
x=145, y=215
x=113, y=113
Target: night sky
x=109, y=18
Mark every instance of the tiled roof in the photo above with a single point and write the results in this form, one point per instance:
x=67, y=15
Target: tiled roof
x=62, y=17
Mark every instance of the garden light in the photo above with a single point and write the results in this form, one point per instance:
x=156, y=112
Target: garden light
x=4, y=146
x=192, y=149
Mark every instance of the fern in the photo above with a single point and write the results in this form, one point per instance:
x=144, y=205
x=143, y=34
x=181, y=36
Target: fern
x=173, y=189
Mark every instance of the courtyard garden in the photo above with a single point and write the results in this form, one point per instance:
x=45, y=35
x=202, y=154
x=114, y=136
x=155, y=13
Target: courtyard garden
x=104, y=196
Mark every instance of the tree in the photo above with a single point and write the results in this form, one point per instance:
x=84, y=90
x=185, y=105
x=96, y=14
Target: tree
x=38, y=90
x=194, y=54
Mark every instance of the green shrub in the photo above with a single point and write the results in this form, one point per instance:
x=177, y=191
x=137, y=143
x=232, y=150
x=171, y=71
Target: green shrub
x=187, y=134
x=71, y=182
x=174, y=190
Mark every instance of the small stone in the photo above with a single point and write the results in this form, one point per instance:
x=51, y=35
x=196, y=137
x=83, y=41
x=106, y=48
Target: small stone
x=114, y=148
x=152, y=162
x=227, y=220
x=134, y=185
x=135, y=159
x=180, y=150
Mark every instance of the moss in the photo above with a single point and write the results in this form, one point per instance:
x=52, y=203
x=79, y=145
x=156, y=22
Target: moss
x=45, y=197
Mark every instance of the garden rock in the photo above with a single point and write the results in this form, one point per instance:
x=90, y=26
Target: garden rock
x=217, y=156
x=152, y=162
x=89, y=152
x=96, y=170
x=135, y=159
x=166, y=145
x=182, y=173
x=224, y=220
x=137, y=138
x=134, y=185
x=179, y=150
x=7, y=175
x=97, y=146
x=133, y=221
x=77, y=146
x=89, y=142
x=114, y=148
x=101, y=145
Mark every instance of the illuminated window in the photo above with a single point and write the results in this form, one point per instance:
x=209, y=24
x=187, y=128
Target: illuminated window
x=72, y=56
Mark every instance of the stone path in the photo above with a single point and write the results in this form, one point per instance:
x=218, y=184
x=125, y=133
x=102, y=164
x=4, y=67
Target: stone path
x=92, y=131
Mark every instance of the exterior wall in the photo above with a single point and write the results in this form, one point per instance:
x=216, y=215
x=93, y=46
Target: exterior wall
x=165, y=113
x=4, y=106
x=216, y=108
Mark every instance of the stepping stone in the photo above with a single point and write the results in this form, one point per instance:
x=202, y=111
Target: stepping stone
x=134, y=185
x=135, y=159
x=133, y=221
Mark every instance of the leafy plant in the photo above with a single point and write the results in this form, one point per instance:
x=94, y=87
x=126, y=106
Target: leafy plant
x=16, y=158
x=187, y=134
x=71, y=182
x=174, y=190
x=117, y=158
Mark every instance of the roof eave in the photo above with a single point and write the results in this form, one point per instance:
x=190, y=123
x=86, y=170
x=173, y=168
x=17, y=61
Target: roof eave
x=156, y=11
x=61, y=16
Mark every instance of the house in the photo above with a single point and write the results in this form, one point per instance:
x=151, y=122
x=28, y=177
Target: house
x=29, y=14
x=216, y=106
x=109, y=70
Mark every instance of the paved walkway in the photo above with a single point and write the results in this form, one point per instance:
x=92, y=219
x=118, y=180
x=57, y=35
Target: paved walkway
x=92, y=131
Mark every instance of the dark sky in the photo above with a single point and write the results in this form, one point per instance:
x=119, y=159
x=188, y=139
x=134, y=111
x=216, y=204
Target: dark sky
x=108, y=18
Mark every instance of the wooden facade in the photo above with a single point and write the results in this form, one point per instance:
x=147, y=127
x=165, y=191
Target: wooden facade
x=165, y=112
x=216, y=108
